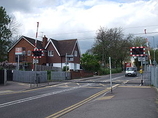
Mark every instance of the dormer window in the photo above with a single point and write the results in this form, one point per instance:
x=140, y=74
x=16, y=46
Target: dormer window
x=75, y=53
x=50, y=53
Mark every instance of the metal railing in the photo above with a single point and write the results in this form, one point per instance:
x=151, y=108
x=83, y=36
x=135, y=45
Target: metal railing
x=151, y=76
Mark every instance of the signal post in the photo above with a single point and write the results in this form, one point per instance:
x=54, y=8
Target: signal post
x=140, y=53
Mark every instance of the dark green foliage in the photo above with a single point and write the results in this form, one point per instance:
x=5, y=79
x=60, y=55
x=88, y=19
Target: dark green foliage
x=49, y=75
x=90, y=62
x=111, y=43
x=5, y=34
x=106, y=71
x=64, y=68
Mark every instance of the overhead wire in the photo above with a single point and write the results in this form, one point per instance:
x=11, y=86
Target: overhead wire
x=84, y=38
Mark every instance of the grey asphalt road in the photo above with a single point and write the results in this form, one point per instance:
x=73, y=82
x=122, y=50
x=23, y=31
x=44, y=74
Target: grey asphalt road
x=82, y=98
x=45, y=101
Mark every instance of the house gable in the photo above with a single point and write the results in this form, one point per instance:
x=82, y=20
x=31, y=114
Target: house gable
x=28, y=45
x=53, y=44
x=66, y=46
x=76, y=48
x=22, y=37
x=30, y=41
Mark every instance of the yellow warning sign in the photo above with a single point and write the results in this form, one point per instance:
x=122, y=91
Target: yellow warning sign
x=140, y=71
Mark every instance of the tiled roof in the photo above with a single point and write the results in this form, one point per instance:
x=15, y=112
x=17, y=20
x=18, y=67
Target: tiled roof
x=62, y=46
x=65, y=46
x=32, y=41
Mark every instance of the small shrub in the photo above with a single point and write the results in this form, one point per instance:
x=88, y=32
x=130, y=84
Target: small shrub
x=106, y=71
x=49, y=75
x=64, y=68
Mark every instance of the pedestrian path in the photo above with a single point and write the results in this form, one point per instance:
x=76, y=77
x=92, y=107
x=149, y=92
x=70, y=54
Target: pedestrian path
x=125, y=101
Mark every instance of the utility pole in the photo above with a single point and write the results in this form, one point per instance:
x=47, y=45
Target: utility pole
x=110, y=73
x=35, y=57
x=154, y=62
x=147, y=44
x=66, y=65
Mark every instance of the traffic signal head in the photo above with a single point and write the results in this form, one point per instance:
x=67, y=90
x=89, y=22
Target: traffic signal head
x=137, y=51
x=37, y=53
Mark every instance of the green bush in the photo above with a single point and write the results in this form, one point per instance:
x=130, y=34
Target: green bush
x=64, y=68
x=106, y=71
x=48, y=75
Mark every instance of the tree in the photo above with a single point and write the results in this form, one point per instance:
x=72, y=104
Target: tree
x=5, y=34
x=138, y=41
x=90, y=62
x=154, y=55
x=111, y=43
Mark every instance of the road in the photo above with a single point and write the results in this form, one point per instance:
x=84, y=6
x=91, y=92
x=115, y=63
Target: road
x=56, y=100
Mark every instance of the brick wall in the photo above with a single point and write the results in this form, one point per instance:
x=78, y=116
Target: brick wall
x=55, y=58
x=26, y=45
x=80, y=74
x=25, y=58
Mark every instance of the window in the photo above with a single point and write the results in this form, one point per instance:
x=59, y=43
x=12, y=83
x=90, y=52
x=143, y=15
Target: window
x=50, y=53
x=75, y=53
x=21, y=58
x=70, y=59
x=28, y=53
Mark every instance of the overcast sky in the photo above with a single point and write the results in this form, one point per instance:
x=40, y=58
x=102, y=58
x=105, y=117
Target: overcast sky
x=69, y=19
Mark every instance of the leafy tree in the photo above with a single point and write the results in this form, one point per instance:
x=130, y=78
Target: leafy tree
x=154, y=55
x=5, y=34
x=138, y=41
x=90, y=62
x=111, y=43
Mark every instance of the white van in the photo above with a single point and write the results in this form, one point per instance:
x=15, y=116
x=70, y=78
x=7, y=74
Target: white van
x=131, y=71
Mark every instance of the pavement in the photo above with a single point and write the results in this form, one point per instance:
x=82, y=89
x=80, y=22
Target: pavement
x=125, y=101
x=13, y=87
x=130, y=100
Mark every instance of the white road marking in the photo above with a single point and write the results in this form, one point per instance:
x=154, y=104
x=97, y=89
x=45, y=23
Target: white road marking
x=46, y=94
x=38, y=96
x=6, y=91
x=112, y=79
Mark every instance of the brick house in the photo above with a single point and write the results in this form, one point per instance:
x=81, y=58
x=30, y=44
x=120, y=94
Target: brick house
x=54, y=52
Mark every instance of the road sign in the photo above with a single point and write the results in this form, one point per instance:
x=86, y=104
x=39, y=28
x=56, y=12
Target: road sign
x=18, y=51
x=35, y=61
x=140, y=71
x=70, y=55
x=145, y=62
x=141, y=58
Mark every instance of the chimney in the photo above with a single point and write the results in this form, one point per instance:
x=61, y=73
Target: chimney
x=44, y=41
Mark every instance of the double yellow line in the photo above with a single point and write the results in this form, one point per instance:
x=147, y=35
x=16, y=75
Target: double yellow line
x=68, y=109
